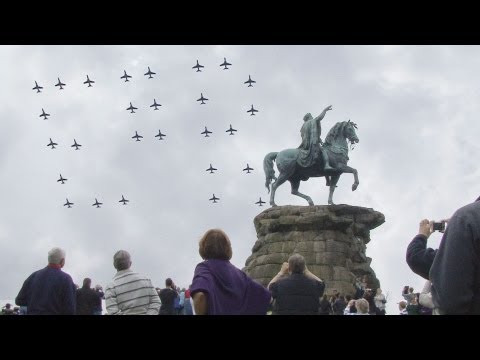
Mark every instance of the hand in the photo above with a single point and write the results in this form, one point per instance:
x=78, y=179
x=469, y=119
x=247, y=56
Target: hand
x=284, y=269
x=425, y=228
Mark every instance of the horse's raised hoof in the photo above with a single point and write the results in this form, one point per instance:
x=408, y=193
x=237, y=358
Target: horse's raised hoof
x=273, y=205
x=331, y=203
x=354, y=187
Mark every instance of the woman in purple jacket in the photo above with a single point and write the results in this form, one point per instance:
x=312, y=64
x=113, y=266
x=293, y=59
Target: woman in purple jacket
x=218, y=287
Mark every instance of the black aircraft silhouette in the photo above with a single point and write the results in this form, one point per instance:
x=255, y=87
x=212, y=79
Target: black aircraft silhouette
x=225, y=63
x=160, y=135
x=202, y=99
x=125, y=76
x=155, y=104
x=62, y=179
x=60, y=84
x=124, y=201
x=198, y=66
x=260, y=202
x=249, y=81
x=211, y=169
x=149, y=73
x=68, y=203
x=137, y=136
x=231, y=130
x=206, y=132
x=75, y=145
x=131, y=108
x=52, y=144
x=37, y=87
x=247, y=169
x=214, y=198
x=252, y=111
x=89, y=82
x=97, y=204
x=44, y=114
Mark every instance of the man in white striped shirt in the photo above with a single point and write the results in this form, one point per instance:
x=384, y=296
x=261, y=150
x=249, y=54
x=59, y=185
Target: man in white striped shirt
x=130, y=293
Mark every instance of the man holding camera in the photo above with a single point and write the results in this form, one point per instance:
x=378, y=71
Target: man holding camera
x=419, y=257
x=455, y=271
x=295, y=289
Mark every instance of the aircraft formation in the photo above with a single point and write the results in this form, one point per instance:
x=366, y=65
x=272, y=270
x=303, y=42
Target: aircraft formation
x=97, y=203
x=149, y=74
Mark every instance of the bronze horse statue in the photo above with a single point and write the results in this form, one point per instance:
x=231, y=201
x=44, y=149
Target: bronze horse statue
x=336, y=147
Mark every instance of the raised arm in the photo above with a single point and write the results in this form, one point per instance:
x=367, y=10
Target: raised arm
x=283, y=272
x=322, y=115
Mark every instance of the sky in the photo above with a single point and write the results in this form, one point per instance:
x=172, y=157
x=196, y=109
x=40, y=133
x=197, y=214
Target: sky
x=416, y=108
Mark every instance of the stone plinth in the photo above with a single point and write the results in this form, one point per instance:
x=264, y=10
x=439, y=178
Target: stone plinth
x=332, y=238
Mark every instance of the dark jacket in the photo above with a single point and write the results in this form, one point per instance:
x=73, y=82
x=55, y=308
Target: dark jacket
x=455, y=273
x=167, y=297
x=48, y=291
x=87, y=300
x=419, y=257
x=296, y=295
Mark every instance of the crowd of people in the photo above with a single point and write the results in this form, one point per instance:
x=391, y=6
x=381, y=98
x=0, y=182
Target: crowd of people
x=220, y=288
x=217, y=288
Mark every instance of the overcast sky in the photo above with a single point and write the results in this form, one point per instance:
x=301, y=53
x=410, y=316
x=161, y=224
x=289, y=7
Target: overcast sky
x=416, y=108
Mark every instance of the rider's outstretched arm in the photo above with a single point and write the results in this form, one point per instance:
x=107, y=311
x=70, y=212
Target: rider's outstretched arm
x=322, y=115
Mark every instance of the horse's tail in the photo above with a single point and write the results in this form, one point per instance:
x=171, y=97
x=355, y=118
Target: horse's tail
x=268, y=168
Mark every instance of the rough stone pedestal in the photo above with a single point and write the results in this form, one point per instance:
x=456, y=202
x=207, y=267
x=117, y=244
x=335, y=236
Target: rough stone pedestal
x=332, y=238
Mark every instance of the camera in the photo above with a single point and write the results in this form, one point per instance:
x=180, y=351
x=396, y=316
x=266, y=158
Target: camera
x=438, y=226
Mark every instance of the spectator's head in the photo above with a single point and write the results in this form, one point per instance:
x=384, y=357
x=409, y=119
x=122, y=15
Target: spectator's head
x=98, y=287
x=87, y=282
x=169, y=282
x=348, y=298
x=215, y=244
x=296, y=264
x=7, y=306
x=379, y=291
x=56, y=256
x=402, y=305
x=410, y=290
x=362, y=306
x=122, y=260
x=405, y=289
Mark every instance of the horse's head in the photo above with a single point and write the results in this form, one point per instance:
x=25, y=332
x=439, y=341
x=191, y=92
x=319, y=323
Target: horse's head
x=349, y=132
x=339, y=133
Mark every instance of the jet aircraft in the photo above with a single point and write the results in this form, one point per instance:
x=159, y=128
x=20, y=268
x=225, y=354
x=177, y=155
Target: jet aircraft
x=250, y=81
x=198, y=66
x=37, y=87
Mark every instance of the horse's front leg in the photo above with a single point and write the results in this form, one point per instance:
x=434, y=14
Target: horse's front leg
x=348, y=169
